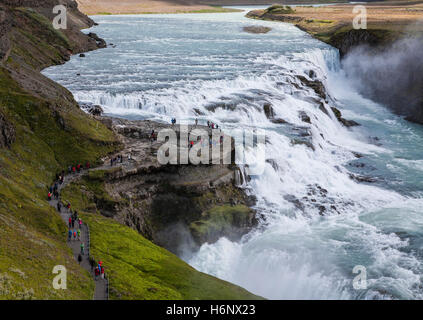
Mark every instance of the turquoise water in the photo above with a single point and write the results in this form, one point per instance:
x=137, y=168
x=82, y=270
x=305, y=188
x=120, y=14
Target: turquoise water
x=165, y=66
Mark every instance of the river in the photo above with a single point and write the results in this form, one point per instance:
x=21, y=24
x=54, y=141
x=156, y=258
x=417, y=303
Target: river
x=164, y=66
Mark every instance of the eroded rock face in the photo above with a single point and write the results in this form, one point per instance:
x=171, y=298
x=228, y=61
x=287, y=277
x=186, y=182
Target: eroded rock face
x=317, y=86
x=7, y=133
x=176, y=206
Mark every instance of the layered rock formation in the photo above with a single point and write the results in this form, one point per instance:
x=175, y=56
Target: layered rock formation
x=176, y=206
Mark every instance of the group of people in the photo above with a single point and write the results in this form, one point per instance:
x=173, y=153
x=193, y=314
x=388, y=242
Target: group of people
x=78, y=167
x=74, y=221
x=212, y=125
x=98, y=269
x=115, y=160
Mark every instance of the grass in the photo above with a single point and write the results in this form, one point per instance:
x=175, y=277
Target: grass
x=139, y=269
x=32, y=234
x=50, y=135
x=279, y=9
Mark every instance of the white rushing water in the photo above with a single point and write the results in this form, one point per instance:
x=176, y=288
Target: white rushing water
x=316, y=223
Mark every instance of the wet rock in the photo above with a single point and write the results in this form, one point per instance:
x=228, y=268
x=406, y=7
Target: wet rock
x=357, y=155
x=82, y=55
x=304, y=117
x=303, y=142
x=295, y=201
x=361, y=178
x=278, y=121
x=268, y=111
x=323, y=108
x=256, y=29
x=273, y=163
x=345, y=122
x=99, y=41
x=198, y=112
x=316, y=85
x=312, y=74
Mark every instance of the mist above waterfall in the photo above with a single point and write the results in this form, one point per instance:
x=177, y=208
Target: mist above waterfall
x=393, y=76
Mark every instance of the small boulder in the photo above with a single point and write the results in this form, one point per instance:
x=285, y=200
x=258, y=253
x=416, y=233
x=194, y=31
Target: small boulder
x=256, y=29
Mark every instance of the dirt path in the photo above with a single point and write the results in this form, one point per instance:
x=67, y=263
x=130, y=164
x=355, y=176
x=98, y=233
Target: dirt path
x=101, y=285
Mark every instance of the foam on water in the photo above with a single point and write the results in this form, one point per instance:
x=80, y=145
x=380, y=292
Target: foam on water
x=204, y=66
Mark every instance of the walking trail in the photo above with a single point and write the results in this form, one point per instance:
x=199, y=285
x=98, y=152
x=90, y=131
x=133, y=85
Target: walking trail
x=101, y=285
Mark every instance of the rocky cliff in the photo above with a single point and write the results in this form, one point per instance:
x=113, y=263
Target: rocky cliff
x=176, y=206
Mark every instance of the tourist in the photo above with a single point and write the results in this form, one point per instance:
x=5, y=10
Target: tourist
x=87, y=165
x=70, y=222
x=49, y=196
x=80, y=223
x=79, y=234
x=96, y=272
x=79, y=258
x=102, y=272
x=59, y=206
x=82, y=248
x=69, y=234
x=74, y=234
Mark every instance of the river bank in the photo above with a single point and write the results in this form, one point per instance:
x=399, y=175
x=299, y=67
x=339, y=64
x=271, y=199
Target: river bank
x=386, y=22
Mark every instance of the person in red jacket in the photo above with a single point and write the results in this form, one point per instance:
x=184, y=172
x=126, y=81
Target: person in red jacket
x=49, y=196
x=102, y=272
x=70, y=222
x=96, y=272
x=87, y=165
x=73, y=169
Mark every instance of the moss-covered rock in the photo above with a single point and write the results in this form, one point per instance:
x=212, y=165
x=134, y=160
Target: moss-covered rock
x=231, y=221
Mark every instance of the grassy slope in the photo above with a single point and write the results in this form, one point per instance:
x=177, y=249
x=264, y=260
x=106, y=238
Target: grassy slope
x=32, y=233
x=138, y=268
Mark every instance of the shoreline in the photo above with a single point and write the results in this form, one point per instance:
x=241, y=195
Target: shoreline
x=333, y=24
